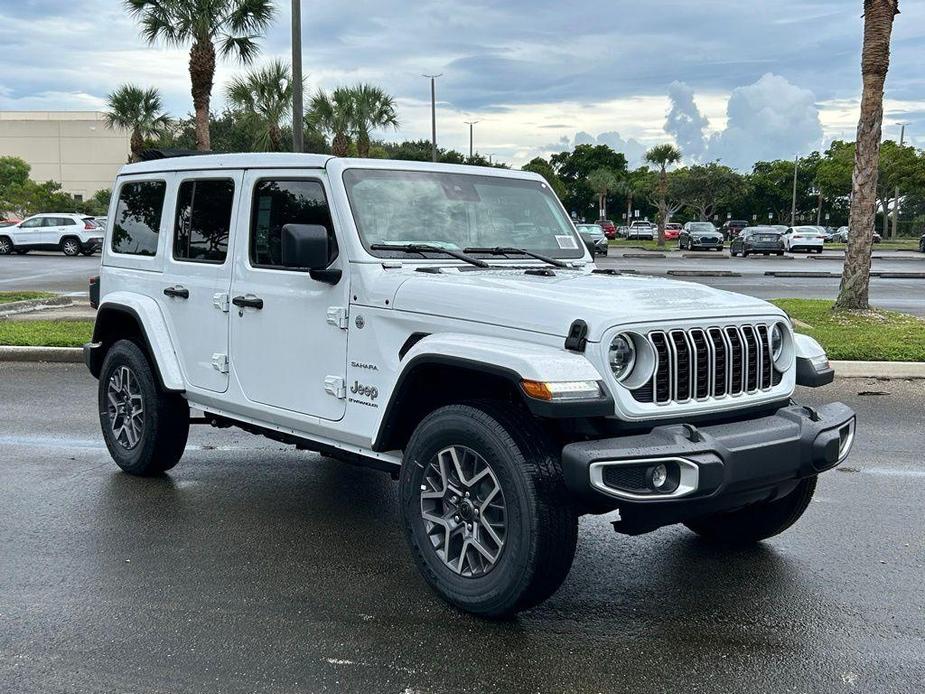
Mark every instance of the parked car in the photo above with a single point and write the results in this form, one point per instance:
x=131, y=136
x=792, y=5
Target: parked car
x=733, y=227
x=803, y=238
x=642, y=231
x=841, y=236
x=509, y=389
x=594, y=238
x=700, y=235
x=103, y=222
x=672, y=231
x=610, y=231
x=765, y=240
x=71, y=234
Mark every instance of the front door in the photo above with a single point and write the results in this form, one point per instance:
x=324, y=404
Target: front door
x=197, y=274
x=284, y=351
x=28, y=234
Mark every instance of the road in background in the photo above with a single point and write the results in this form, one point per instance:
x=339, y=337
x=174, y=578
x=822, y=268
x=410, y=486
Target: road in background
x=55, y=272
x=253, y=567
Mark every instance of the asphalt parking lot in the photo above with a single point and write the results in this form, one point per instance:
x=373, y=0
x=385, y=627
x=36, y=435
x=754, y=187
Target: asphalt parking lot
x=55, y=272
x=255, y=568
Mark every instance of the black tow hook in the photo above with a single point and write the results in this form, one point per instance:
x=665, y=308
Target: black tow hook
x=693, y=433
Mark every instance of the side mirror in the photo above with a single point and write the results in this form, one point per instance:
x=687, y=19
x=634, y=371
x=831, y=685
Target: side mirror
x=308, y=246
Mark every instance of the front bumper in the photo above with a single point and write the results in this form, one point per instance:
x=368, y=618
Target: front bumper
x=726, y=466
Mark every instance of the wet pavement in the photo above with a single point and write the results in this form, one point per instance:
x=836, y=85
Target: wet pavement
x=255, y=568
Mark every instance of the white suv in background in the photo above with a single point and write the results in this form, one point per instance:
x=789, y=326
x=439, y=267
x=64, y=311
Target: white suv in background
x=72, y=234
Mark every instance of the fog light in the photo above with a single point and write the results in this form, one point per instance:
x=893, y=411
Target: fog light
x=658, y=476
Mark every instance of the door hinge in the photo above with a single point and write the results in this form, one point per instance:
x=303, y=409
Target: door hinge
x=220, y=301
x=220, y=362
x=337, y=315
x=334, y=385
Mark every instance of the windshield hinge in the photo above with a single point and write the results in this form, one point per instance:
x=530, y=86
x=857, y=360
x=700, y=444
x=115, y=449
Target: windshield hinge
x=220, y=301
x=334, y=385
x=220, y=362
x=337, y=315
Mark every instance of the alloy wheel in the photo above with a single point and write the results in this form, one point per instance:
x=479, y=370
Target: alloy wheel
x=5, y=246
x=463, y=509
x=71, y=248
x=126, y=407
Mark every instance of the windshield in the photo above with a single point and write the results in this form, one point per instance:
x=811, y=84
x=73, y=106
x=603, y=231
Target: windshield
x=458, y=211
x=702, y=226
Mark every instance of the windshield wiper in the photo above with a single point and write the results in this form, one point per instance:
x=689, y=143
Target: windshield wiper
x=425, y=248
x=501, y=250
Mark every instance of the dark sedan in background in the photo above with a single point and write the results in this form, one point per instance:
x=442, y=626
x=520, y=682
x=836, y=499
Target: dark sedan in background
x=752, y=240
x=700, y=235
x=594, y=238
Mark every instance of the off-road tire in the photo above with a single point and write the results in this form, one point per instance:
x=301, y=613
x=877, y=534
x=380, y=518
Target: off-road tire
x=757, y=522
x=541, y=521
x=166, y=415
x=70, y=246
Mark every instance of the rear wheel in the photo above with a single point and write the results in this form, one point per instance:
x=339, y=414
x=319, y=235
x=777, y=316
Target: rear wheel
x=144, y=427
x=485, y=509
x=759, y=521
x=70, y=246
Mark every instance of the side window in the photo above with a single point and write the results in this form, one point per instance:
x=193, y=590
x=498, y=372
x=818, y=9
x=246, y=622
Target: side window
x=203, y=220
x=66, y=222
x=32, y=223
x=138, y=217
x=52, y=222
x=280, y=202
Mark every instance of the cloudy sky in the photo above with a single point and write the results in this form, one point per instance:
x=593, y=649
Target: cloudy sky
x=735, y=80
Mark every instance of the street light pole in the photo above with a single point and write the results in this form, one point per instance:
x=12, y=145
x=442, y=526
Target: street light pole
x=793, y=207
x=902, y=141
x=433, y=114
x=298, y=143
x=470, y=123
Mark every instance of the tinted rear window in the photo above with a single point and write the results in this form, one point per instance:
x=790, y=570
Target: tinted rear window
x=203, y=220
x=138, y=218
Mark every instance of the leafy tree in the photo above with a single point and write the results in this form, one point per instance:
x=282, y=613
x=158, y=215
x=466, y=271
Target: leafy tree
x=702, y=188
x=603, y=181
x=30, y=198
x=663, y=156
x=212, y=28
x=854, y=291
x=13, y=171
x=372, y=109
x=98, y=205
x=902, y=168
x=540, y=166
x=263, y=97
x=139, y=111
x=333, y=115
x=574, y=167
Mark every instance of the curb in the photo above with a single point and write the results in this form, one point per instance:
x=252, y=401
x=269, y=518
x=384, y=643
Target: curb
x=884, y=275
x=67, y=355
x=16, y=307
x=703, y=273
x=643, y=256
x=798, y=273
x=879, y=369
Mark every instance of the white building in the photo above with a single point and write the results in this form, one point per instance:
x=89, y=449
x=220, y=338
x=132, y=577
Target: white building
x=74, y=148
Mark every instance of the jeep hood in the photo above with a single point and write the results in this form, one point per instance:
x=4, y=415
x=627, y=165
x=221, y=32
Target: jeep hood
x=549, y=304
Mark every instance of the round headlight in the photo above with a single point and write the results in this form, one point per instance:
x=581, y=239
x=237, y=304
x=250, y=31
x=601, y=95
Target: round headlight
x=777, y=341
x=622, y=356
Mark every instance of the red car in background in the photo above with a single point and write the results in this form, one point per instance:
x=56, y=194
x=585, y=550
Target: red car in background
x=610, y=231
x=672, y=231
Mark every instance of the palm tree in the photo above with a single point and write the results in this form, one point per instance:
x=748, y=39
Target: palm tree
x=228, y=27
x=663, y=156
x=140, y=112
x=264, y=99
x=333, y=115
x=603, y=181
x=373, y=109
x=854, y=292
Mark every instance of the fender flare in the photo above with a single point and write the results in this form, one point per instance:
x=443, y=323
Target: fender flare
x=511, y=360
x=147, y=314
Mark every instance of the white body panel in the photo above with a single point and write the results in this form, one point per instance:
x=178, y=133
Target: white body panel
x=281, y=355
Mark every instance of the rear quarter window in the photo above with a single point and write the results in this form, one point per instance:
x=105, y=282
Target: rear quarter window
x=137, y=220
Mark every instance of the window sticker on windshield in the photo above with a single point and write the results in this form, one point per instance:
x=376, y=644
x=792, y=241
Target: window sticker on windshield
x=566, y=242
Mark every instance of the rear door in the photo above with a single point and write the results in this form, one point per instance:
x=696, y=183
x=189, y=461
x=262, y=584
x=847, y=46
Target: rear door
x=288, y=336
x=197, y=274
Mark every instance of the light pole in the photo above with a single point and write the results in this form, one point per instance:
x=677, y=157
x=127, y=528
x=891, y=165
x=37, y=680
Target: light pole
x=793, y=208
x=902, y=141
x=433, y=113
x=298, y=143
x=470, y=123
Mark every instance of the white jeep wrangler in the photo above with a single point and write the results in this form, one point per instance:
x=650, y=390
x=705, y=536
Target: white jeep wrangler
x=446, y=323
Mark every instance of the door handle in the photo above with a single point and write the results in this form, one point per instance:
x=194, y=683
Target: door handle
x=249, y=301
x=177, y=292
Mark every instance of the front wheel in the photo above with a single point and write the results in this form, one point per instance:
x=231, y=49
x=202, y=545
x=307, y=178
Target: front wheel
x=6, y=246
x=757, y=522
x=144, y=427
x=485, y=509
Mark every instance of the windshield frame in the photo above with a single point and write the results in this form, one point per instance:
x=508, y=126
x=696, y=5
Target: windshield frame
x=572, y=255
